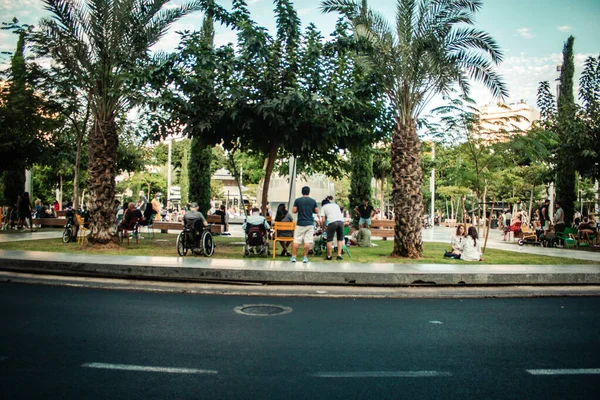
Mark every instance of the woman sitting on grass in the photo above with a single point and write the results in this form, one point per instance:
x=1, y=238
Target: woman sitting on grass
x=456, y=242
x=470, y=247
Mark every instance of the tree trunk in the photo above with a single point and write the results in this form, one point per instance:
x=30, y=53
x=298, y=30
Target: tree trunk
x=76, y=172
x=483, y=205
x=270, y=163
x=382, y=197
x=80, y=132
x=531, y=203
x=103, y=142
x=406, y=192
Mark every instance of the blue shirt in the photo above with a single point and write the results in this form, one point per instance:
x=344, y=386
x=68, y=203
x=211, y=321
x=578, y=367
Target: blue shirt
x=306, y=207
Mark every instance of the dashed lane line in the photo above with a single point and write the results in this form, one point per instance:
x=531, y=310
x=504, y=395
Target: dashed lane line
x=145, y=368
x=576, y=371
x=381, y=374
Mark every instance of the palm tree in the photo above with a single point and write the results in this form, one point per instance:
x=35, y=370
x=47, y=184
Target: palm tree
x=101, y=43
x=427, y=51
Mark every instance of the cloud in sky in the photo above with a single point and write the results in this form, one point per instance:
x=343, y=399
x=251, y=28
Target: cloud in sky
x=565, y=28
x=526, y=33
x=306, y=11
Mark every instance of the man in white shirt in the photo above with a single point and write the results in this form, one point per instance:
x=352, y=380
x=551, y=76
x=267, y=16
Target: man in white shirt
x=332, y=213
x=256, y=219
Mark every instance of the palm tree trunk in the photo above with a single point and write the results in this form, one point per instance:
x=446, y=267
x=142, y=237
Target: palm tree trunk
x=406, y=192
x=103, y=143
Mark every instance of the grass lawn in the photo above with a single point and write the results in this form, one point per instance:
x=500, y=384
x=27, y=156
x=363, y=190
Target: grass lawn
x=232, y=248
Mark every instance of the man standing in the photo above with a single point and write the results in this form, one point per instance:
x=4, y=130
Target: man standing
x=544, y=214
x=332, y=213
x=559, y=219
x=366, y=212
x=156, y=206
x=305, y=206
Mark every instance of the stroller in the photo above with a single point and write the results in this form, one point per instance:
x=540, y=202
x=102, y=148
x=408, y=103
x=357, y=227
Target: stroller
x=256, y=241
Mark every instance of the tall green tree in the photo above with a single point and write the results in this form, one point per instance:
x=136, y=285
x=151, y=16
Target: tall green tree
x=429, y=48
x=25, y=130
x=566, y=128
x=102, y=43
x=589, y=114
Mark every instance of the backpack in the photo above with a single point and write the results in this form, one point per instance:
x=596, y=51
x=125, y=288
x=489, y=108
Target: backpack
x=255, y=236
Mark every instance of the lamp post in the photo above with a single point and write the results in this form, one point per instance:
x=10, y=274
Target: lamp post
x=432, y=185
x=170, y=145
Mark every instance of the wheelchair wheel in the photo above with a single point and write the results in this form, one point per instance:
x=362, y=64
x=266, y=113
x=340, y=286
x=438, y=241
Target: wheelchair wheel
x=67, y=235
x=181, y=249
x=208, y=244
x=520, y=242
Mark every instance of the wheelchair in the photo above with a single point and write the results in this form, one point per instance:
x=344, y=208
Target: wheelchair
x=256, y=241
x=199, y=240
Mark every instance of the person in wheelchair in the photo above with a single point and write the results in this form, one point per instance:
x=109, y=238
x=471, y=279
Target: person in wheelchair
x=194, y=222
x=256, y=228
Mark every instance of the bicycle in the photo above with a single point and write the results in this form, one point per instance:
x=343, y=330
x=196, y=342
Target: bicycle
x=68, y=234
x=199, y=240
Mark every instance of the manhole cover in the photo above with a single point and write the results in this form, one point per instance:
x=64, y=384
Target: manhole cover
x=262, y=310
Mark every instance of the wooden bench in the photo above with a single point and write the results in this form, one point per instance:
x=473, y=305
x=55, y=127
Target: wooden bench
x=178, y=226
x=448, y=222
x=217, y=226
x=49, y=222
x=382, y=228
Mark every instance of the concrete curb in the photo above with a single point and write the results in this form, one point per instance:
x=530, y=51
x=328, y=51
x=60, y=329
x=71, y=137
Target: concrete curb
x=279, y=272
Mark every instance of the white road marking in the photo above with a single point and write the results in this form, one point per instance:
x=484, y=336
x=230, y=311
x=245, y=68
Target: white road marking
x=577, y=371
x=435, y=322
x=380, y=374
x=169, y=370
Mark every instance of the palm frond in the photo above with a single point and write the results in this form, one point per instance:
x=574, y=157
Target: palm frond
x=469, y=39
x=480, y=68
x=348, y=8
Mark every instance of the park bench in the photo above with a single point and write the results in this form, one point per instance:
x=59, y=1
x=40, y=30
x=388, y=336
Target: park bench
x=382, y=228
x=49, y=222
x=178, y=226
x=217, y=226
x=449, y=222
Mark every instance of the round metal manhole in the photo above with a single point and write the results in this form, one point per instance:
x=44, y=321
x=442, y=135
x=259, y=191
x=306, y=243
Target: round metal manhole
x=262, y=310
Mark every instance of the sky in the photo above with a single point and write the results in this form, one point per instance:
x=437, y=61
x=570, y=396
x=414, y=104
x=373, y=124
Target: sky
x=531, y=34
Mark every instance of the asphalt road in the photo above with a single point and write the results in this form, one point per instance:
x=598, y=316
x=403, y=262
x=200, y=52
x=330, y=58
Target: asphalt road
x=76, y=343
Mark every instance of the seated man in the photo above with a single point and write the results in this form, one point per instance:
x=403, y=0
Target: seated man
x=221, y=211
x=363, y=238
x=191, y=216
x=256, y=219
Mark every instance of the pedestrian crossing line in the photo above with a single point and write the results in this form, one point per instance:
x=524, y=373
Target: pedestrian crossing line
x=381, y=374
x=576, y=371
x=145, y=368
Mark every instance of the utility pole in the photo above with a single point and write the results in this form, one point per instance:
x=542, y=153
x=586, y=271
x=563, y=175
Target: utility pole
x=432, y=184
x=170, y=144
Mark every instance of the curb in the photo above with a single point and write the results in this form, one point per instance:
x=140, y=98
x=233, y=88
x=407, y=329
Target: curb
x=278, y=272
